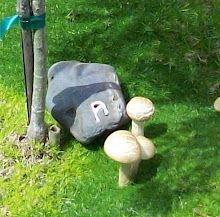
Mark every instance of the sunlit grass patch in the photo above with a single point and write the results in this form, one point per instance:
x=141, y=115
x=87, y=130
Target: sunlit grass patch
x=167, y=51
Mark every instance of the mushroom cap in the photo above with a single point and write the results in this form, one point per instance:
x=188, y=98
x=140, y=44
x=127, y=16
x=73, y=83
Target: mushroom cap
x=147, y=147
x=217, y=104
x=140, y=108
x=123, y=147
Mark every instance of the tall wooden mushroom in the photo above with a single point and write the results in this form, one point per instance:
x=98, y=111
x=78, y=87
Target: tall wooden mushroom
x=139, y=109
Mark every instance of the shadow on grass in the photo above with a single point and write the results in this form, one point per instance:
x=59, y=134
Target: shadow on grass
x=185, y=170
x=148, y=169
x=66, y=139
x=149, y=52
x=155, y=130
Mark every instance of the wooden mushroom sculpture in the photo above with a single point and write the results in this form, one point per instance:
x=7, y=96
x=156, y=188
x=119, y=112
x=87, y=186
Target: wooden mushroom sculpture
x=124, y=148
x=217, y=104
x=139, y=109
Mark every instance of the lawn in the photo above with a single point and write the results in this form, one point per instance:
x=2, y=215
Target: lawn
x=167, y=51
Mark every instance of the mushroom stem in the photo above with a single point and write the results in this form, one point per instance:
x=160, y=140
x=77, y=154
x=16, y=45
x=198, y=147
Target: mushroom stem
x=137, y=128
x=126, y=175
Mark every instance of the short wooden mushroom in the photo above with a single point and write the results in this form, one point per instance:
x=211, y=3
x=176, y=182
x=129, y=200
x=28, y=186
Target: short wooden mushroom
x=124, y=148
x=147, y=147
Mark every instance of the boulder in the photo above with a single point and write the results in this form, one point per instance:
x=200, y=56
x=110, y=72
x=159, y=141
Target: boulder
x=85, y=98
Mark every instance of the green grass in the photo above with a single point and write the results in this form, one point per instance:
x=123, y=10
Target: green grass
x=168, y=51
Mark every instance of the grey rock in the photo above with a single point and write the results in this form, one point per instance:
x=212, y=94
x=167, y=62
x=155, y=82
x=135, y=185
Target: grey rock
x=85, y=98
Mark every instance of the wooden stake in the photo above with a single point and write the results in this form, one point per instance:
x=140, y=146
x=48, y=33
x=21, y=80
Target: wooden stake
x=24, y=10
